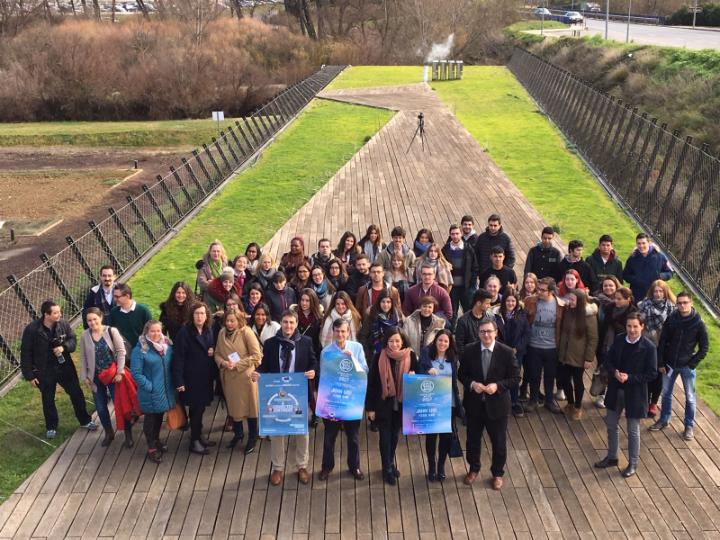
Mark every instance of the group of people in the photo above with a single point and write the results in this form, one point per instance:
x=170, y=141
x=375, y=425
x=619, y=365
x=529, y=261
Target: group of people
x=454, y=308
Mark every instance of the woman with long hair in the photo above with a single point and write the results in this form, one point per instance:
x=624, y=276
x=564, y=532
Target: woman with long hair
x=211, y=265
x=337, y=275
x=606, y=296
x=320, y=284
x=253, y=254
x=151, y=368
x=341, y=307
x=384, y=398
x=237, y=354
x=571, y=282
x=514, y=331
x=193, y=371
x=262, y=324
x=439, y=359
x=423, y=240
x=265, y=270
x=529, y=287
x=656, y=307
x=255, y=296
x=347, y=249
x=301, y=279
x=576, y=349
x=291, y=260
x=371, y=244
x=399, y=276
x=175, y=311
x=381, y=316
x=243, y=276
x=310, y=316
x=434, y=258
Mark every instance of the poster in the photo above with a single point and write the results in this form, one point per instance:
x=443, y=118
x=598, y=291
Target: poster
x=283, y=404
x=341, y=395
x=427, y=404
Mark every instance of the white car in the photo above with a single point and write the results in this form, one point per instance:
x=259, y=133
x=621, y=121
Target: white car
x=542, y=12
x=572, y=17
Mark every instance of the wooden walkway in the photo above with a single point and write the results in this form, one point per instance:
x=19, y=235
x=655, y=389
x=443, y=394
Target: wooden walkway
x=551, y=489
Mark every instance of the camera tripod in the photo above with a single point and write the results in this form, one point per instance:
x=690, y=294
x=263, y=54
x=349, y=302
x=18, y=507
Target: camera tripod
x=423, y=136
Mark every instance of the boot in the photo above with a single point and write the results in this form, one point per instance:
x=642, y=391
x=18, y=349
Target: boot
x=161, y=447
x=129, y=442
x=238, y=436
x=431, y=470
x=441, y=469
x=109, y=437
x=252, y=435
x=196, y=447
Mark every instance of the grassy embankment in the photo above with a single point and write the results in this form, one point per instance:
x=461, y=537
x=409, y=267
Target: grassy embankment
x=250, y=208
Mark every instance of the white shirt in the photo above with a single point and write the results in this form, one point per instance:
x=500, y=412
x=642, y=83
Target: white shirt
x=132, y=307
x=627, y=338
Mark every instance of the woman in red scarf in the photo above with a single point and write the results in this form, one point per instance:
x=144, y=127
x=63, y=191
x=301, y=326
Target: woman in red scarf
x=384, y=397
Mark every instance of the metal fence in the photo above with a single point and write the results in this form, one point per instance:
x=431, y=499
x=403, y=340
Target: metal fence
x=670, y=186
x=132, y=230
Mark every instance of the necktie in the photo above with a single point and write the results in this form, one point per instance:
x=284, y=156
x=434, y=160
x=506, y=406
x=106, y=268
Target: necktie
x=486, y=356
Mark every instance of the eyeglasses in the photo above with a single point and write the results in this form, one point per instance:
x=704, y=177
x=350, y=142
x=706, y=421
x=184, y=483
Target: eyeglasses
x=542, y=290
x=684, y=303
x=487, y=331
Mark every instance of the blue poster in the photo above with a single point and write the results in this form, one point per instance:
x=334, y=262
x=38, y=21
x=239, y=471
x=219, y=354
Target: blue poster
x=427, y=404
x=343, y=383
x=283, y=404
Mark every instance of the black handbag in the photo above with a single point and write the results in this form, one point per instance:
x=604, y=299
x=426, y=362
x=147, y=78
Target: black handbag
x=455, y=448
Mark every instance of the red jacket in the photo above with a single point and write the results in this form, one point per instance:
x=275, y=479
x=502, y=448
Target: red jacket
x=127, y=408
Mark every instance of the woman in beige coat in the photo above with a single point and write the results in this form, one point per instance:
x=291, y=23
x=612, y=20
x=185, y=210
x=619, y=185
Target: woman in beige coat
x=237, y=354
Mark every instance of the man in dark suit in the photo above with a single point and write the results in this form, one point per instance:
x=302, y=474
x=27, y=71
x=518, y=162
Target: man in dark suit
x=488, y=370
x=288, y=352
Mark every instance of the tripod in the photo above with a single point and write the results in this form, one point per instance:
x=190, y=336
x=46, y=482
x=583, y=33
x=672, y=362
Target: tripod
x=421, y=130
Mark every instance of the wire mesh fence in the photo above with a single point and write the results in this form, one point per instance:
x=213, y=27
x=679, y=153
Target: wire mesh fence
x=131, y=231
x=670, y=185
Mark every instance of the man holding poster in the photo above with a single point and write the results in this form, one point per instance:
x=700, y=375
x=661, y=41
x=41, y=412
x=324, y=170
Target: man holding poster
x=341, y=397
x=288, y=352
x=488, y=370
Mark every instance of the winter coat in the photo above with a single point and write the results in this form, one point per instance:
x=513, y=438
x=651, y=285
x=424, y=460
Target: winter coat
x=172, y=324
x=425, y=365
x=127, y=407
x=587, y=275
x=240, y=391
x=514, y=332
x=87, y=352
x=413, y=330
x=362, y=300
x=470, y=267
x=216, y=295
x=466, y=330
x=543, y=262
x=679, y=338
x=484, y=244
x=326, y=334
x=415, y=294
x=385, y=257
x=372, y=331
x=574, y=350
x=156, y=393
x=355, y=282
x=36, y=357
x=96, y=298
x=443, y=271
x=640, y=271
x=641, y=368
x=383, y=408
x=204, y=273
x=270, y=329
x=613, y=324
x=279, y=301
x=192, y=367
x=613, y=267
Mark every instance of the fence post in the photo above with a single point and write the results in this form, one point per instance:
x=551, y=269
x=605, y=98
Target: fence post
x=620, y=124
x=141, y=219
x=8, y=352
x=268, y=129
x=707, y=252
x=123, y=230
x=237, y=141
x=663, y=169
x=24, y=300
x=229, y=147
x=214, y=164
x=193, y=178
x=180, y=184
x=196, y=155
x=106, y=247
x=81, y=259
x=697, y=222
x=259, y=129
x=649, y=168
x=169, y=194
x=674, y=181
x=156, y=207
x=59, y=283
x=241, y=131
x=222, y=155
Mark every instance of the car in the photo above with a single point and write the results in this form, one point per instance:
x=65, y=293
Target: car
x=542, y=12
x=572, y=17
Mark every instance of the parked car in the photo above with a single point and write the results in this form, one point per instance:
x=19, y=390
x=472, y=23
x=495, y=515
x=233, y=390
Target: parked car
x=542, y=12
x=572, y=17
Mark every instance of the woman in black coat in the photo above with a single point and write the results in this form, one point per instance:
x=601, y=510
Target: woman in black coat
x=631, y=363
x=440, y=359
x=384, y=397
x=194, y=372
x=514, y=331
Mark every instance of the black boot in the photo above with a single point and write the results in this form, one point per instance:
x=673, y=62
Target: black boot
x=109, y=437
x=252, y=435
x=431, y=470
x=441, y=469
x=129, y=442
x=161, y=447
x=238, y=436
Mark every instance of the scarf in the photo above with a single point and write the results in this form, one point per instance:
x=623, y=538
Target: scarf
x=383, y=322
x=321, y=290
x=159, y=346
x=266, y=274
x=421, y=248
x=305, y=321
x=656, y=312
x=287, y=346
x=215, y=267
x=392, y=382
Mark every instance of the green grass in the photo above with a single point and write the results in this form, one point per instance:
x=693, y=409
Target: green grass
x=130, y=134
x=261, y=199
x=369, y=76
x=523, y=26
x=504, y=120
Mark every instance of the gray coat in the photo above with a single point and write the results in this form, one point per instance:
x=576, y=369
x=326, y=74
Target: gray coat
x=87, y=352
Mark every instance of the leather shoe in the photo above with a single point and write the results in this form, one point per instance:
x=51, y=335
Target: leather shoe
x=357, y=474
x=276, y=477
x=553, y=408
x=303, y=476
x=629, y=471
x=324, y=474
x=470, y=478
x=196, y=447
x=496, y=483
x=207, y=443
x=606, y=462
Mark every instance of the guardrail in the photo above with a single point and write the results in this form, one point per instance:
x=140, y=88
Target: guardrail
x=557, y=15
x=670, y=186
x=135, y=229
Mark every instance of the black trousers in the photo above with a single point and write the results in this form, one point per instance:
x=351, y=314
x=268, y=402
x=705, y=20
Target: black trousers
x=655, y=389
x=477, y=422
x=352, y=434
x=151, y=428
x=196, y=414
x=541, y=363
x=389, y=431
x=66, y=376
x=570, y=379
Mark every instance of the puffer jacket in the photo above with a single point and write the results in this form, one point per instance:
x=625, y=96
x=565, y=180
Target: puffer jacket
x=156, y=393
x=574, y=350
x=484, y=244
x=640, y=271
x=679, y=337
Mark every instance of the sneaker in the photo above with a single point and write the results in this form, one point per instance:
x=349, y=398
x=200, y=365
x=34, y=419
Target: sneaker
x=658, y=426
x=553, y=408
x=518, y=411
x=90, y=426
x=530, y=406
x=688, y=434
x=560, y=395
x=50, y=434
x=600, y=402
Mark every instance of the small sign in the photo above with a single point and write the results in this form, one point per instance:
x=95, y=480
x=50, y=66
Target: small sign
x=218, y=116
x=283, y=404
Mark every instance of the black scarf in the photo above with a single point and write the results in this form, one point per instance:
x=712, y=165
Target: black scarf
x=287, y=346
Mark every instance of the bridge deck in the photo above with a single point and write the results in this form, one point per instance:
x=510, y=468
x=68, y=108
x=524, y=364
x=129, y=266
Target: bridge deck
x=551, y=489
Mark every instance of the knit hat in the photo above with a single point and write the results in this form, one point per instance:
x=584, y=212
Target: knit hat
x=228, y=274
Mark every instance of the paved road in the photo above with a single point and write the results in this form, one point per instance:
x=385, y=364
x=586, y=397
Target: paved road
x=658, y=35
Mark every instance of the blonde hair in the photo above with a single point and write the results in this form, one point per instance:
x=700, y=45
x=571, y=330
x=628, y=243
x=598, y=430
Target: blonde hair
x=669, y=295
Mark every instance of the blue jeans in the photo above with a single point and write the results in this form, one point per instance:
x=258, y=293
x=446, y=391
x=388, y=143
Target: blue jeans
x=515, y=390
x=100, y=396
x=688, y=380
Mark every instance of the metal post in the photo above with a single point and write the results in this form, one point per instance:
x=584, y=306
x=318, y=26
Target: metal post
x=222, y=154
x=24, y=300
x=8, y=352
x=196, y=155
x=627, y=34
x=237, y=142
x=106, y=247
x=260, y=131
x=697, y=222
x=648, y=170
x=663, y=169
x=214, y=164
x=59, y=283
x=607, y=18
x=156, y=207
x=662, y=217
x=695, y=10
x=123, y=230
x=229, y=147
x=169, y=195
x=141, y=219
x=194, y=178
x=245, y=138
x=81, y=259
